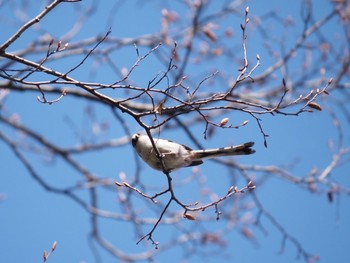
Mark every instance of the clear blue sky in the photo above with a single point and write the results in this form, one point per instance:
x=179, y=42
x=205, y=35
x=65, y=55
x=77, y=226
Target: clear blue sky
x=32, y=219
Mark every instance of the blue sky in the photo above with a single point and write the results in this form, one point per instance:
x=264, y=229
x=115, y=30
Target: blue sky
x=32, y=218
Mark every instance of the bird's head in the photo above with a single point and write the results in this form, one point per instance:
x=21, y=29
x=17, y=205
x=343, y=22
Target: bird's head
x=134, y=139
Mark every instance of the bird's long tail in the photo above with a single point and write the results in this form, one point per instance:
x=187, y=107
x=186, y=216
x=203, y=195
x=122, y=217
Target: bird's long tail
x=242, y=149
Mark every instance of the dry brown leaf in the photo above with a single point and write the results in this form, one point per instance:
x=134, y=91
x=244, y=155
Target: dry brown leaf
x=160, y=107
x=230, y=190
x=330, y=196
x=118, y=184
x=126, y=184
x=210, y=34
x=224, y=121
x=54, y=246
x=189, y=217
x=250, y=184
x=314, y=105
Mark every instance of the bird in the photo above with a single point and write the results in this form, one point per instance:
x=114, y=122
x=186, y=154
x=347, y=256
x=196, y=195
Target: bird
x=175, y=155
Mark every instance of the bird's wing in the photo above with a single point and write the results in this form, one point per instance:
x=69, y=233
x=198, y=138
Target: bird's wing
x=166, y=142
x=168, y=146
x=194, y=163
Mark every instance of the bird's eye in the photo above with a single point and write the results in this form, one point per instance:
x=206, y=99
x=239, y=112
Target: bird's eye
x=134, y=140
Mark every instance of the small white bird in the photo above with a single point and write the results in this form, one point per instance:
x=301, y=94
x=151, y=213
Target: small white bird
x=175, y=155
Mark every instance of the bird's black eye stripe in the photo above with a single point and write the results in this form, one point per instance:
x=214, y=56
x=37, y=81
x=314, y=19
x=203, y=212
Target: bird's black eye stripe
x=134, y=140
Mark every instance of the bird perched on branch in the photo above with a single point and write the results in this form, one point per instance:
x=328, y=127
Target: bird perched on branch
x=175, y=155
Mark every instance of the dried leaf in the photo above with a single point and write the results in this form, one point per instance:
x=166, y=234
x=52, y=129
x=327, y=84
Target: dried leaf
x=250, y=184
x=189, y=217
x=160, y=107
x=217, y=51
x=312, y=186
x=230, y=190
x=247, y=232
x=224, y=121
x=330, y=196
x=126, y=184
x=45, y=256
x=210, y=34
x=54, y=246
x=118, y=184
x=214, y=239
x=314, y=105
